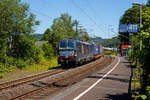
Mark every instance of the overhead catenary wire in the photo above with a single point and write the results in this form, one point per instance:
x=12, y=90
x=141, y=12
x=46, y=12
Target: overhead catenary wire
x=94, y=12
x=82, y=12
x=48, y=4
x=42, y=14
x=96, y=15
x=89, y=17
x=47, y=16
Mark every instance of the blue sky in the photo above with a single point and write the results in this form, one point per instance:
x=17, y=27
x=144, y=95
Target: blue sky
x=98, y=17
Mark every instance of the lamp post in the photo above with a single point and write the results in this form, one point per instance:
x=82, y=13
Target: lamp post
x=140, y=5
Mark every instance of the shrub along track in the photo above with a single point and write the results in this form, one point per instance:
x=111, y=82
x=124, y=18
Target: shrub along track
x=44, y=87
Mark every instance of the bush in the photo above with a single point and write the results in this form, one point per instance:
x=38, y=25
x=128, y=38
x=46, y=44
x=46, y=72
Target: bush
x=21, y=64
x=25, y=48
x=41, y=56
x=48, y=51
x=3, y=70
x=10, y=61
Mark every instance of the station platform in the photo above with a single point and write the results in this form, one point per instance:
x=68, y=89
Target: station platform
x=111, y=83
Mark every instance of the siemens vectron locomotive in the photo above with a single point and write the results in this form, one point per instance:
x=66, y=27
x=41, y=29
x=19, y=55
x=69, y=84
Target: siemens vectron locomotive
x=72, y=52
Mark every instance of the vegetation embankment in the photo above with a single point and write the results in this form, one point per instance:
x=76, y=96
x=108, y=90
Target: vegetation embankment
x=140, y=58
x=18, y=49
x=17, y=73
x=112, y=43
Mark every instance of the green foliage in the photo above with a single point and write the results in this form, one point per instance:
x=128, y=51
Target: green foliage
x=15, y=19
x=113, y=42
x=143, y=97
x=24, y=47
x=17, y=43
x=138, y=96
x=148, y=91
x=85, y=37
x=6, y=68
x=98, y=40
x=41, y=55
x=62, y=28
x=17, y=47
x=46, y=35
x=21, y=64
x=48, y=50
x=131, y=16
x=37, y=36
x=138, y=73
x=44, y=65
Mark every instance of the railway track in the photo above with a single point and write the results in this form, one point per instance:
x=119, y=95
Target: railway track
x=14, y=83
x=62, y=80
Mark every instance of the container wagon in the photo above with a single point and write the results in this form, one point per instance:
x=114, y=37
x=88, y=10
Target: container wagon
x=97, y=51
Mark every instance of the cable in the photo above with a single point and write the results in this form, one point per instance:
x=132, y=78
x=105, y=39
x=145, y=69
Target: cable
x=90, y=18
x=45, y=2
x=96, y=15
x=94, y=11
x=41, y=14
x=57, y=28
x=121, y=34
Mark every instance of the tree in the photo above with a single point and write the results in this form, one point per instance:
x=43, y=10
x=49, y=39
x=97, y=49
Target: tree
x=113, y=42
x=85, y=37
x=46, y=35
x=25, y=48
x=143, y=55
x=15, y=22
x=131, y=16
x=48, y=51
x=63, y=27
x=145, y=37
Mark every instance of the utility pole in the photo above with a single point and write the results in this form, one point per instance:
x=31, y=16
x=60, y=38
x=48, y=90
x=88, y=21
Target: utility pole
x=76, y=22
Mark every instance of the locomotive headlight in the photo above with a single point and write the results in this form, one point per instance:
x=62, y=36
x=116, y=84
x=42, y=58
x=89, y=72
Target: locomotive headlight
x=72, y=53
x=75, y=53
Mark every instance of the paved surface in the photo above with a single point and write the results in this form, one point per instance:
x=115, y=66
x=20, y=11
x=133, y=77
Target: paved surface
x=114, y=86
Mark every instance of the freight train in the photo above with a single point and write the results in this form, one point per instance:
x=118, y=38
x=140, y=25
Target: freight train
x=74, y=52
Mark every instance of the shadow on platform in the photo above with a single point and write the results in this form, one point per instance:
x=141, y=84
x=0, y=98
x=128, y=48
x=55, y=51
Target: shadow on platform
x=111, y=78
x=124, y=96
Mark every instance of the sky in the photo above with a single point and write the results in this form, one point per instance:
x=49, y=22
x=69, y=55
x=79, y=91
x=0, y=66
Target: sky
x=99, y=17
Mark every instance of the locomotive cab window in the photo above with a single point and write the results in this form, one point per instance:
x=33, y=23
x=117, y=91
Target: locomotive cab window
x=63, y=44
x=70, y=44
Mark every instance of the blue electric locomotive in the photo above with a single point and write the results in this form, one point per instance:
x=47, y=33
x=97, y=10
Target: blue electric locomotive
x=74, y=52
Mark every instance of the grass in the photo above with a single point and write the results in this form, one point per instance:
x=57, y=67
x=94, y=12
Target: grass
x=107, y=51
x=29, y=70
x=113, y=54
x=42, y=66
x=135, y=84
